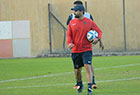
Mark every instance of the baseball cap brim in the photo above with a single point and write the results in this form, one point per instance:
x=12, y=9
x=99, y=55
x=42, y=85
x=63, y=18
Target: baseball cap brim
x=73, y=9
x=78, y=7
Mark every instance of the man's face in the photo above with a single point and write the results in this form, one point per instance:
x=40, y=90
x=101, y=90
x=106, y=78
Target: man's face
x=78, y=14
x=75, y=5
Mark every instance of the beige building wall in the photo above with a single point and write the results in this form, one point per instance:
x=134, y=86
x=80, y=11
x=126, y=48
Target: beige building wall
x=36, y=11
x=133, y=25
x=108, y=14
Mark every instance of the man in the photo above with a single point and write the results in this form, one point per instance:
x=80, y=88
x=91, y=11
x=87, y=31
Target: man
x=87, y=15
x=81, y=47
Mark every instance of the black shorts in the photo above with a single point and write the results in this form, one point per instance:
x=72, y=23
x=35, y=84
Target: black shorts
x=79, y=59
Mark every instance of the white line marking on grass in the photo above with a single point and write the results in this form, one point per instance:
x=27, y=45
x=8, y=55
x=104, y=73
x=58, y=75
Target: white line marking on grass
x=51, y=75
x=51, y=85
x=133, y=78
x=118, y=66
x=43, y=76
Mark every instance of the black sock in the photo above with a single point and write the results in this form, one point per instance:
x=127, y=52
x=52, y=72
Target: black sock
x=89, y=85
x=93, y=80
x=79, y=83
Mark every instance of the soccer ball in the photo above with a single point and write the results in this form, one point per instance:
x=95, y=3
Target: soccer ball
x=92, y=34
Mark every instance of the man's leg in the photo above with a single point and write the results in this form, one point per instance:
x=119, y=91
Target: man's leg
x=79, y=84
x=78, y=74
x=93, y=78
x=87, y=60
x=88, y=71
x=78, y=64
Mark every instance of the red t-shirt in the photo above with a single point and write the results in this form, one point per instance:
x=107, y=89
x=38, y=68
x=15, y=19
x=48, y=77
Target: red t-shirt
x=77, y=34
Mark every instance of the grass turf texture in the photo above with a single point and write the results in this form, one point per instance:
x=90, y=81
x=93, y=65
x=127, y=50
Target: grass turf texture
x=62, y=84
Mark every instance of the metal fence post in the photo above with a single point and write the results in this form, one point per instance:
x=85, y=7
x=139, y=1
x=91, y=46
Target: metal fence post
x=86, y=5
x=49, y=19
x=124, y=26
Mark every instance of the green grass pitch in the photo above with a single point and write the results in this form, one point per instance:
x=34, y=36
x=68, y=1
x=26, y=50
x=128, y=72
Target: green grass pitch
x=115, y=75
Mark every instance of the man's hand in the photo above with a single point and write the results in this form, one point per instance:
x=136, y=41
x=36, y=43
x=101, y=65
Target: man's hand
x=95, y=40
x=71, y=45
x=101, y=45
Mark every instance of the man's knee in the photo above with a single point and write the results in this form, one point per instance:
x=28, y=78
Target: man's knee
x=78, y=70
x=87, y=67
